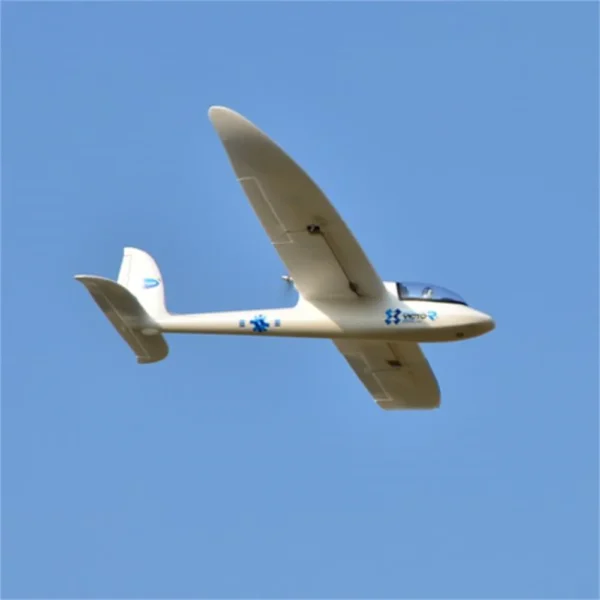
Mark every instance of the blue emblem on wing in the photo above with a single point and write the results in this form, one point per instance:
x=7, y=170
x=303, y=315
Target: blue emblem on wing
x=259, y=324
x=150, y=282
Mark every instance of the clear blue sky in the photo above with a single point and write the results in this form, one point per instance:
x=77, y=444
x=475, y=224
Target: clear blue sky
x=459, y=142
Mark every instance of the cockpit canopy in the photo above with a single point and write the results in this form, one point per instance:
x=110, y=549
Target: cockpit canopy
x=427, y=292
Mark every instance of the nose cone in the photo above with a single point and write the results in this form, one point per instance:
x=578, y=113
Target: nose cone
x=485, y=323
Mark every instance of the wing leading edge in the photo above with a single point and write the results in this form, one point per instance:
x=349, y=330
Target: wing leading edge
x=320, y=252
x=397, y=374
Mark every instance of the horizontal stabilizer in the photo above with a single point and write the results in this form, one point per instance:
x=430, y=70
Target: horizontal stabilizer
x=124, y=311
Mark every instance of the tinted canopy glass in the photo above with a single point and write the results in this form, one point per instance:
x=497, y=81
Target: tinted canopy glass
x=427, y=292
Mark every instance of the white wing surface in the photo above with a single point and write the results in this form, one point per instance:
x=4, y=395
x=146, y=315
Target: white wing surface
x=320, y=252
x=397, y=374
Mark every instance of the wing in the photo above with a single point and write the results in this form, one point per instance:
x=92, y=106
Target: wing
x=320, y=252
x=397, y=374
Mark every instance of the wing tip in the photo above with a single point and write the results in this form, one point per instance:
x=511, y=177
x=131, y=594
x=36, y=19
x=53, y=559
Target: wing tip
x=217, y=109
x=231, y=124
x=219, y=114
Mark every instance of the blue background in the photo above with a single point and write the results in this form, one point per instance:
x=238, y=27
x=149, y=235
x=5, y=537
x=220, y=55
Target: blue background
x=459, y=142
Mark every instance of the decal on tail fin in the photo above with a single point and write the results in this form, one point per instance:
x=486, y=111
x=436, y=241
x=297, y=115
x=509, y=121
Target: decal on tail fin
x=149, y=282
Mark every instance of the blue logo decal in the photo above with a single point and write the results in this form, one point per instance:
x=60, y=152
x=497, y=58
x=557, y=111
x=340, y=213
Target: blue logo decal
x=392, y=315
x=259, y=324
x=396, y=316
x=150, y=282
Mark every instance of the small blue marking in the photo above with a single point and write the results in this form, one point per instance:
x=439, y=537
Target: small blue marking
x=432, y=315
x=277, y=322
x=242, y=323
x=150, y=282
x=260, y=324
x=392, y=316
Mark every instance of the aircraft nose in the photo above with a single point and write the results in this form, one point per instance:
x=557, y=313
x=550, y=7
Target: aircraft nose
x=486, y=323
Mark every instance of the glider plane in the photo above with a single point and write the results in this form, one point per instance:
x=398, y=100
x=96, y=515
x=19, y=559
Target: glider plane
x=376, y=325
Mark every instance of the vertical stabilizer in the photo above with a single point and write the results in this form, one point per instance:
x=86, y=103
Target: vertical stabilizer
x=140, y=274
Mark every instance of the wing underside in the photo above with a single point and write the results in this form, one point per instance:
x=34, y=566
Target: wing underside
x=396, y=374
x=320, y=252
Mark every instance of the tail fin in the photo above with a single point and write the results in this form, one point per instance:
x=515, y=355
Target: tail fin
x=140, y=274
x=133, y=304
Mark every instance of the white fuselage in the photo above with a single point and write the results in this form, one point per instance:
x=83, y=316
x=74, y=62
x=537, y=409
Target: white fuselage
x=388, y=318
